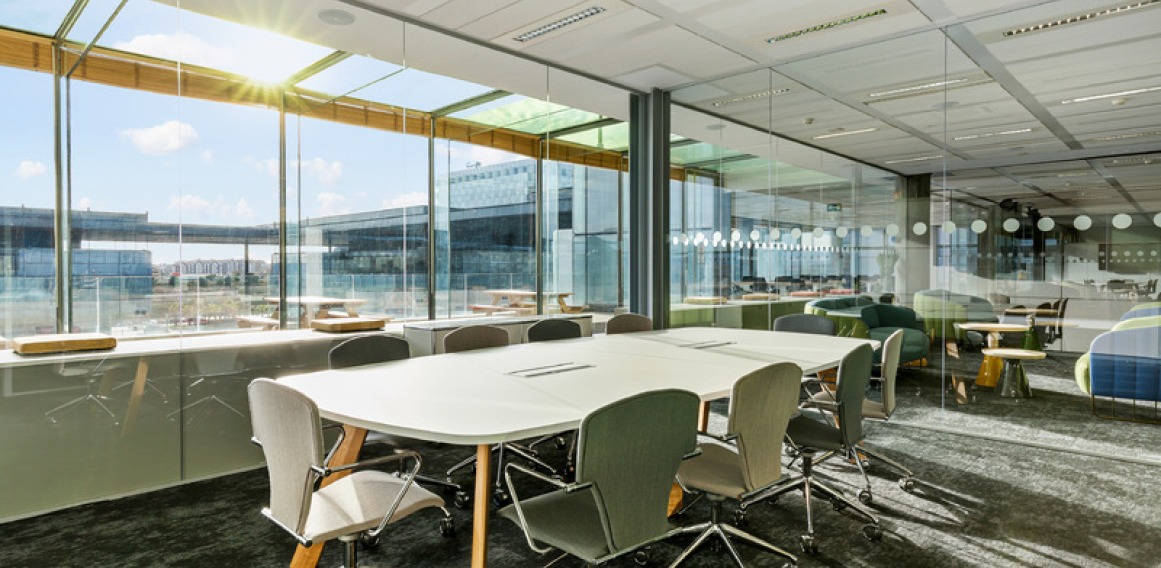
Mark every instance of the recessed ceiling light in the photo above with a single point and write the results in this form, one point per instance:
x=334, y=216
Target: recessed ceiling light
x=1126, y=136
x=336, y=17
x=991, y=134
x=844, y=133
x=1079, y=18
x=1111, y=95
x=924, y=86
x=749, y=97
x=566, y=21
x=915, y=159
x=828, y=25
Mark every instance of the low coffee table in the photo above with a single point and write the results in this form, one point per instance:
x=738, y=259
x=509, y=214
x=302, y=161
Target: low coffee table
x=1014, y=382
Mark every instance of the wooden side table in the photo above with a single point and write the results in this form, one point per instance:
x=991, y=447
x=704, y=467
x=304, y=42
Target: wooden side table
x=991, y=367
x=1014, y=382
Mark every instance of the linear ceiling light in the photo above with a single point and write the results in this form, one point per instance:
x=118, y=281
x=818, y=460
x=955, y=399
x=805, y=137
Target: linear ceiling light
x=991, y=134
x=844, y=133
x=916, y=159
x=829, y=25
x=913, y=88
x=1110, y=95
x=749, y=97
x=547, y=28
x=1127, y=136
x=1079, y=18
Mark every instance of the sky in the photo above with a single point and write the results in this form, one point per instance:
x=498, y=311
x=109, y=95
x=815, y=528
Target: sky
x=180, y=159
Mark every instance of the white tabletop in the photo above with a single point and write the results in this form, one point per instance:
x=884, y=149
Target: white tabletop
x=520, y=391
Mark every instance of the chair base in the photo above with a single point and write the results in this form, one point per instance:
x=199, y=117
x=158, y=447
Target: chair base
x=806, y=482
x=723, y=531
x=499, y=495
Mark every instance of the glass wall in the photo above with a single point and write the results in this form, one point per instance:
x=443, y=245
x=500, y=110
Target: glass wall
x=219, y=182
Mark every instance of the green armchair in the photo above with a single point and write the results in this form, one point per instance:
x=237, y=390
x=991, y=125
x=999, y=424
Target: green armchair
x=940, y=310
x=884, y=319
x=845, y=326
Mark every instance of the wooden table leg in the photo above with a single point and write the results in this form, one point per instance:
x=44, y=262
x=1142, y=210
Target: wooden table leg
x=703, y=412
x=480, y=506
x=347, y=452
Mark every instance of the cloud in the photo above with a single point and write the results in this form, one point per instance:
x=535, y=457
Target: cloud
x=406, y=200
x=208, y=156
x=180, y=46
x=83, y=203
x=331, y=204
x=30, y=168
x=327, y=173
x=162, y=139
x=243, y=210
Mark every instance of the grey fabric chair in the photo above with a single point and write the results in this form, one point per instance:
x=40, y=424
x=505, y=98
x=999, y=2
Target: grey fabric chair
x=482, y=337
x=809, y=435
x=371, y=349
x=627, y=455
x=472, y=337
x=749, y=469
x=552, y=329
x=628, y=323
x=805, y=323
x=875, y=409
x=287, y=426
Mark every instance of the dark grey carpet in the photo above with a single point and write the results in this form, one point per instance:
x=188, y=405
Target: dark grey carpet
x=978, y=502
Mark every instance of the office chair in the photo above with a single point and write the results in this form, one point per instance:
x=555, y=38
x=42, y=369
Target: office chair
x=805, y=323
x=877, y=410
x=371, y=349
x=211, y=368
x=287, y=427
x=93, y=375
x=552, y=329
x=628, y=323
x=628, y=452
x=809, y=436
x=481, y=337
x=1055, y=331
x=750, y=468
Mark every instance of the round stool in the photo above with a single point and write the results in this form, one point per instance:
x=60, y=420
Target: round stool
x=1014, y=381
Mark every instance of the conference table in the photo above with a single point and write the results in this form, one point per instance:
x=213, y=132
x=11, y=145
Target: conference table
x=503, y=394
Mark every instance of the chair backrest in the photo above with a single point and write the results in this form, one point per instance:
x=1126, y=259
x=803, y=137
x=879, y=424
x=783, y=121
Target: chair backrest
x=474, y=337
x=1141, y=313
x=854, y=373
x=1124, y=363
x=287, y=425
x=892, y=346
x=550, y=329
x=760, y=408
x=805, y=323
x=368, y=349
x=630, y=450
x=628, y=323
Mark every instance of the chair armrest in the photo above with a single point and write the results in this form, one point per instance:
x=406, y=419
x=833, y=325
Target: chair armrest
x=555, y=482
x=338, y=441
x=408, y=479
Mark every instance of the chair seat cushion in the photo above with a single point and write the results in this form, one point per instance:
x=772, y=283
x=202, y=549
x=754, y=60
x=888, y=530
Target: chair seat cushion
x=808, y=431
x=915, y=342
x=569, y=522
x=718, y=470
x=824, y=400
x=359, y=501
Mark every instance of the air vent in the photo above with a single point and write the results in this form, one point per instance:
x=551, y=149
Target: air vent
x=828, y=25
x=565, y=21
x=749, y=97
x=1079, y=18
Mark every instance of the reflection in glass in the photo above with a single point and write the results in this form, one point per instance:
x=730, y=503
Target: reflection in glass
x=1122, y=221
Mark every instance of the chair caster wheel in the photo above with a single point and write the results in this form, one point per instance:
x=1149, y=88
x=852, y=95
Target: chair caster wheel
x=907, y=484
x=792, y=452
x=461, y=500
x=642, y=557
x=807, y=544
x=500, y=498
x=838, y=505
x=447, y=527
x=560, y=442
x=865, y=497
x=873, y=533
x=740, y=519
x=369, y=541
